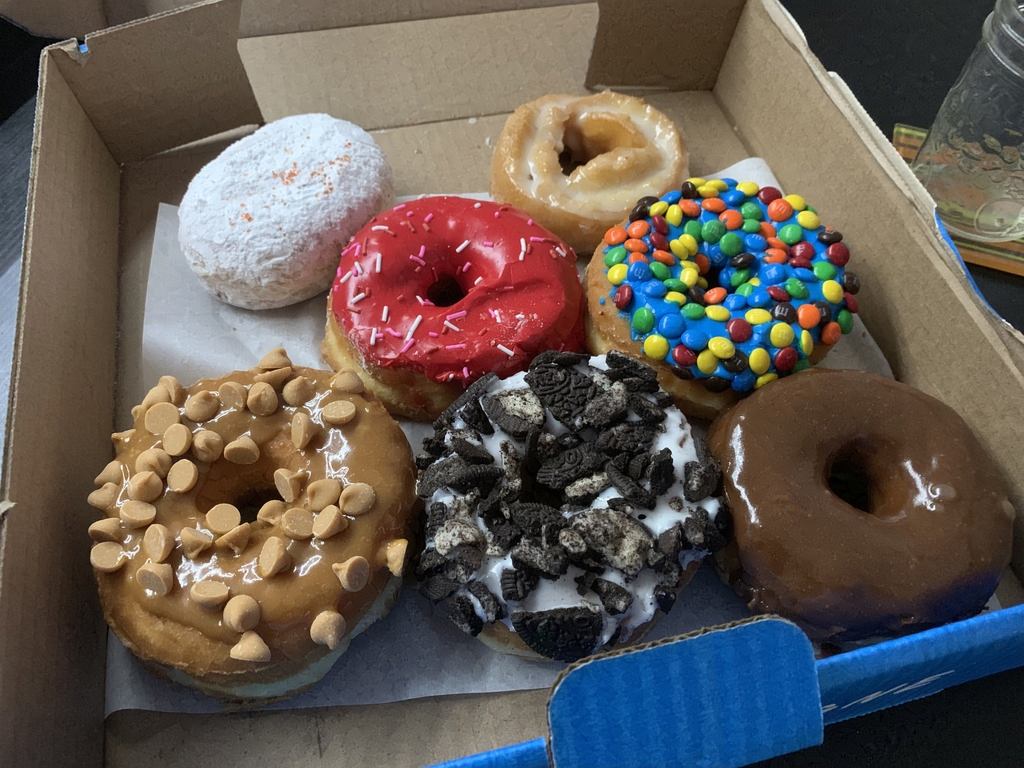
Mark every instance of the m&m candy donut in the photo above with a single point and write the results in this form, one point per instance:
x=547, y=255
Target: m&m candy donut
x=723, y=287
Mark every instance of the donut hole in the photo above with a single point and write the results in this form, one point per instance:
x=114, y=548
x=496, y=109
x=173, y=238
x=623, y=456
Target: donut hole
x=848, y=479
x=589, y=136
x=445, y=291
x=252, y=500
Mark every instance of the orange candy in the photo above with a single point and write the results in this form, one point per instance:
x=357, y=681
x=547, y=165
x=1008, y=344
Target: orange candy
x=831, y=333
x=715, y=295
x=775, y=256
x=808, y=316
x=664, y=257
x=615, y=236
x=767, y=229
x=732, y=219
x=703, y=265
x=636, y=256
x=690, y=208
x=635, y=245
x=774, y=242
x=713, y=204
x=638, y=228
x=779, y=209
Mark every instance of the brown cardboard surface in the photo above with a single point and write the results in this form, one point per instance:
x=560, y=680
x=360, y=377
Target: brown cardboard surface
x=105, y=159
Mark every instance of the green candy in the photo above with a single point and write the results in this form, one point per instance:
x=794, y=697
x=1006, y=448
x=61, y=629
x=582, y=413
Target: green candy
x=660, y=271
x=674, y=284
x=751, y=226
x=692, y=311
x=643, y=320
x=823, y=270
x=791, y=234
x=845, y=319
x=745, y=290
x=615, y=255
x=693, y=229
x=796, y=289
x=751, y=210
x=739, y=278
x=712, y=231
x=731, y=244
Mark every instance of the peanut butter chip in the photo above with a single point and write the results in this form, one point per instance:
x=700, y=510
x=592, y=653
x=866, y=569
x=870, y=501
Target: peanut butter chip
x=242, y=613
x=209, y=594
x=347, y=381
x=271, y=512
x=236, y=539
x=233, y=395
x=182, y=476
x=157, y=394
x=353, y=573
x=250, y=648
x=262, y=399
x=177, y=439
x=107, y=556
x=394, y=555
x=329, y=522
x=357, y=499
x=328, y=628
x=207, y=445
x=156, y=577
x=298, y=391
x=175, y=391
x=274, y=557
x=242, y=451
x=304, y=429
x=289, y=484
x=112, y=473
x=275, y=358
x=107, y=529
x=275, y=378
x=201, y=406
x=137, y=514
x=339, y=412
x=322, y=493
x=221, y=518
x=154, y=460
x=145, y=486
x=194, y=542
x=157, y=542
x=297, y=523
x=105, y=496
x=160, y=416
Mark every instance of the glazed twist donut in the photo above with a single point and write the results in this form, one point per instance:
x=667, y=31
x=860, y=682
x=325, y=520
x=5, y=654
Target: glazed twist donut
x=578, y=163
x=722, y=286
x=860, y=506
x=439, y=291
x=253, y=524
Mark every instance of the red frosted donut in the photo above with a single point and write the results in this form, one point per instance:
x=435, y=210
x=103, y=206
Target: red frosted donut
x=436, y=292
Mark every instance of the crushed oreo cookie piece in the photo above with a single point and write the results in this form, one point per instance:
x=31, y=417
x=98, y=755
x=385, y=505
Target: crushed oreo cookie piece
x=463, y=613
x=563, y=391
x=563, y=359
x=515, y=411
x=469, y=395
x=615, y=598
x=649, y=412
x=628, y=367
x=562, y=634
x=701, y=531
x=550, y=562
x=567, y=467
x=630, y=489
x=516, y=585
x=630, y=437
x=471, y=453
x=473, y=414
x=607, y=408
x=489, y=604
x=701, y=479
x=661, y=472
x=529, y=517
x=456, y=532
x=623, y=542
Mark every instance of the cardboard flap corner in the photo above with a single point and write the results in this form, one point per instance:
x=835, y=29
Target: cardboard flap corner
x=758, y=677
x=142, y=73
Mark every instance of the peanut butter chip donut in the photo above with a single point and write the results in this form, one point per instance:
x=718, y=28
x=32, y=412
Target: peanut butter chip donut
x=861, y=507
x=566, y=506
x=243, y=561
x=578, y=163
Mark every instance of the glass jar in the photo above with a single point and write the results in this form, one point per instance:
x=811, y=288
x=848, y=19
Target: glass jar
x=971, y=161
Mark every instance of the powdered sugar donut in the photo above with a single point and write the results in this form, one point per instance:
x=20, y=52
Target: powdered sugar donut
x=263, y=223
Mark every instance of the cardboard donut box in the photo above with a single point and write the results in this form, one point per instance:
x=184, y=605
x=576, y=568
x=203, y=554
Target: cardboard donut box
x=127, y=115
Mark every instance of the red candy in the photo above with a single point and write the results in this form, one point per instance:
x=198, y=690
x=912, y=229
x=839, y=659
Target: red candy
x=739, y=330
x=454, y=288
x=683, y=355
x=786, y=359
x=838, y=254
x=623, y=295
x=767, y=194
x=778, y=293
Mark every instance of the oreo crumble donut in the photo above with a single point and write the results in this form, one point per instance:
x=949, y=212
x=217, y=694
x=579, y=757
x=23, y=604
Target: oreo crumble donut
x=566, y=506
x=722, y=286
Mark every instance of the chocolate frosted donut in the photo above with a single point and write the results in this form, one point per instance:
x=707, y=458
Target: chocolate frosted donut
x=566, y=506
x=861, y=507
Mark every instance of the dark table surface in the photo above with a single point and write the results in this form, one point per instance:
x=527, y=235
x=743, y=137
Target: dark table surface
x=899, y=58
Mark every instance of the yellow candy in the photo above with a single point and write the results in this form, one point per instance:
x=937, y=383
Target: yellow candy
x=707, y=190
x=718, y=184
x=759, y=361
x=658, y=208
x=707, y=362
x=832, y=291
x=781, y=335
x=690, y=276
x=754, y=280
x=765, y=379
x=796, y=201
x=748, y=188
x=674, y=215
x=697, y=181
x=617, y=274
x=656, y=346
x=702, y=282
x=757, y=316
x=690, y=243
x=678, y=249
x=676, y=297
x=719, y=314
x=808, y=220
x=806, y=342
x=722, y=347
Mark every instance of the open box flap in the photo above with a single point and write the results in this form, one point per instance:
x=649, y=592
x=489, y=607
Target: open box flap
x=140, y=74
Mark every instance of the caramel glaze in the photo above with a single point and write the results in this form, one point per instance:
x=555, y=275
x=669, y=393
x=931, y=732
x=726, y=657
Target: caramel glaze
x=173, y=629
x=927, y=545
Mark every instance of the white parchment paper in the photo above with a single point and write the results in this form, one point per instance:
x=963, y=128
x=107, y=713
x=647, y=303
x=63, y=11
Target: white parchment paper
x=415, y=651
